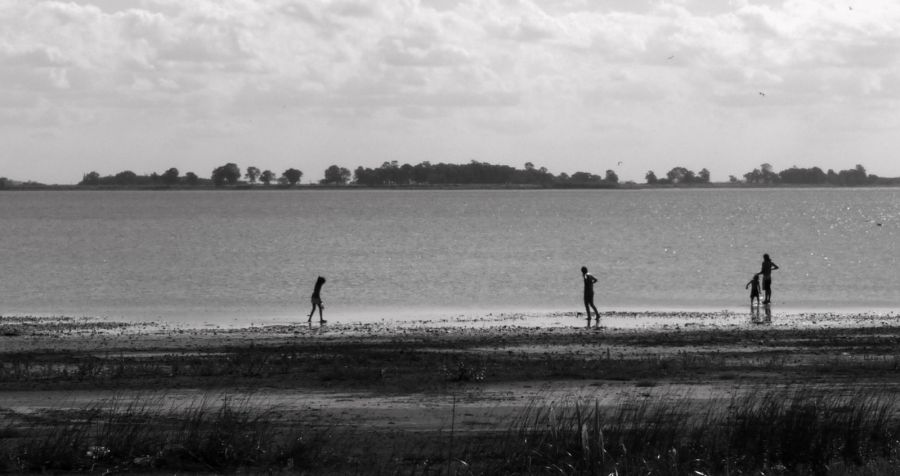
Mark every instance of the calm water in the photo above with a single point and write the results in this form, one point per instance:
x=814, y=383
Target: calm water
x=253, y=256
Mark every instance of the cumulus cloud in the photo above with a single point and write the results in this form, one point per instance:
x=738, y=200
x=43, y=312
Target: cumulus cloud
x=536, y=66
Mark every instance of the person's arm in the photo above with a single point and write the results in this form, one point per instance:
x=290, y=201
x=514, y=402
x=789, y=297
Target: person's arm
x=774, y=266
x=593, y=279
x=748, y=284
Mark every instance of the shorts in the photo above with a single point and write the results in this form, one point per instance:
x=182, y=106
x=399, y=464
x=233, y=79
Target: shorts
x=316, y=301
x=767, y=285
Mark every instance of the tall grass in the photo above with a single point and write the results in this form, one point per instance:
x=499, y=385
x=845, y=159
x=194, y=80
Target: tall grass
x=794, y=431
x=137, y=435
x=785, y=432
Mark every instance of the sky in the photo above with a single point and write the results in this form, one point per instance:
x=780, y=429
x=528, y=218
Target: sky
x=570, y=85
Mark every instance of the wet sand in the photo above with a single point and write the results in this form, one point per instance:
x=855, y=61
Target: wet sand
x=417, y=375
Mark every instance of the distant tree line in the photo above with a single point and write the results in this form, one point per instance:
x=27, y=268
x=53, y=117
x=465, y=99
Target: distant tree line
x=678, y=175
x=476, y=173
x=388, y=174
x=129, y=178
x=473, y=173
x=228, y=174
x=811, y=176
x=765, y=174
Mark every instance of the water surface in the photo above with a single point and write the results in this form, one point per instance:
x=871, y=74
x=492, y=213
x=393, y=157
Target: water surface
x=226, y=256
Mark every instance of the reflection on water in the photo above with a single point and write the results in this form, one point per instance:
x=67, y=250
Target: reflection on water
x=766, y=317
x=238, y=256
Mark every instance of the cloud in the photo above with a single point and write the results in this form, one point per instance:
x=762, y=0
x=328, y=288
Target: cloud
x=400, y=52
x=542, y=67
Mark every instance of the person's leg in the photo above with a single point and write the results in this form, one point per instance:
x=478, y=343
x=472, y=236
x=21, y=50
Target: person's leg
x=587, y=307
x=596, y=312
x=320, y=314
x=311, y=312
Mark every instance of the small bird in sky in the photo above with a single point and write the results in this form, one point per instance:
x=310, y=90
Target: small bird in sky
x=620, y=162
x=671, y=57
x=762, y=94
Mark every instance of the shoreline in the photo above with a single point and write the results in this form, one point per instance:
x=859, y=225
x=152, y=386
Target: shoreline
x=96, y=336
x=631, y=318
x=886, y=182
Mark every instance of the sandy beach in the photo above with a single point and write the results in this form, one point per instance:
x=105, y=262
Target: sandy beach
x=400, y=385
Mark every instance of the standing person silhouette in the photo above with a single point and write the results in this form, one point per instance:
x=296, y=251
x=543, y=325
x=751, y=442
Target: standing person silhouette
x=317, y=300
x=753, y=286
x=767, y=267
x=589, y=281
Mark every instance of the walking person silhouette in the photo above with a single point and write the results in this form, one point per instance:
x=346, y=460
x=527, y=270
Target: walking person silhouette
x=317, y=300
x=767, y=267
x=589, y=281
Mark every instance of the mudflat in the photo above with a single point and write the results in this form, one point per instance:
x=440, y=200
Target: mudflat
x=390, y=396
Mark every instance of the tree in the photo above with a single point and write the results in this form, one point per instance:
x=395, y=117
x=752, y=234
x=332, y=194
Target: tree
x=611, y=177
x=267, y=176
x=170, y=177
x=252, y=174
x=363, y=176
x=704, y=175
x=855, y=176
x=768, y=174
x=92, y=178
x=678, y=175
x=584, y=178
x=814, y=175
x=292, y=176
x=226, y=173
x=651, y=178
x=338, y=175
x=126, y=177
x=753, y=177
x=191, y=178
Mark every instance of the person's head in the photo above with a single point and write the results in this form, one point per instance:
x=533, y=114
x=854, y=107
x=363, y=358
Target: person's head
x=755, y=277
x=320, y=280
x=766, y=257
x=584, y=270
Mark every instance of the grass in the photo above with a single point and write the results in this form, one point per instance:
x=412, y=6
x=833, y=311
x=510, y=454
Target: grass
x=794, y=431
x=137, y=436
x=784, y=432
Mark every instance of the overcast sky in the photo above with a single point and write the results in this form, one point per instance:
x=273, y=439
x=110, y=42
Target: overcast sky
x=571, y=85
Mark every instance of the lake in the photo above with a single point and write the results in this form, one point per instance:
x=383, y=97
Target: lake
x=253, y=256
